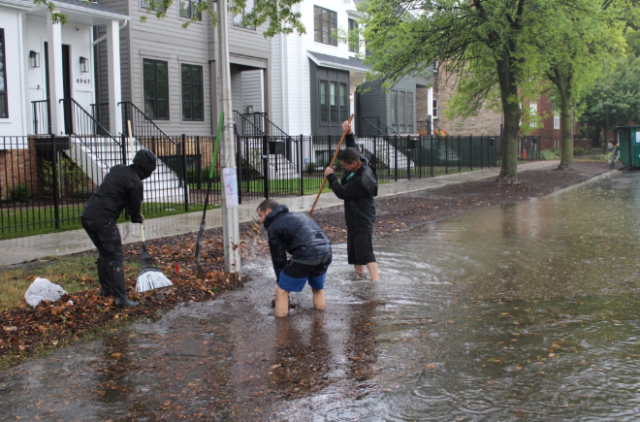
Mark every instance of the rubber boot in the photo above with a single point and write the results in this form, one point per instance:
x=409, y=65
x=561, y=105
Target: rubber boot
x=116, y=277
x=103, y=277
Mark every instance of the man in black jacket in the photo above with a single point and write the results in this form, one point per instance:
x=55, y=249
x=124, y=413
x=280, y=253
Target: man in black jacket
x=121, y=188
x=359, y=187
x=308, y=246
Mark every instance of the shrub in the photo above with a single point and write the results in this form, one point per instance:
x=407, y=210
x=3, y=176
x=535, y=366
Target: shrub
x=578, y=151
x=20, y=194
x=311, y=167
x=548, y=154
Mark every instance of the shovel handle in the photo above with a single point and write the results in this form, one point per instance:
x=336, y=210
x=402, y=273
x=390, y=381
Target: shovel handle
x=142, y=232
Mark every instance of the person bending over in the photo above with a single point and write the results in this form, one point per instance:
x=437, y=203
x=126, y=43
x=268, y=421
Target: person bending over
x=308, y=246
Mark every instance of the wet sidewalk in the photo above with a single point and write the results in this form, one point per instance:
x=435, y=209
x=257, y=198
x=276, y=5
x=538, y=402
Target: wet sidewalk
x=23, y=249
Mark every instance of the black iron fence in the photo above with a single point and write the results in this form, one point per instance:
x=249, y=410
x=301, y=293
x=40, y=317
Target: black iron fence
x=45, y=181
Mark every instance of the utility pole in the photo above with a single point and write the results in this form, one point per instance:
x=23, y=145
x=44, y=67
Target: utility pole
x=230, y=223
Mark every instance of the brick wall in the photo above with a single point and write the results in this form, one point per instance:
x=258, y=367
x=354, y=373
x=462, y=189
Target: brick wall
x=486, y=122
x=18, y=167
x=549, y=137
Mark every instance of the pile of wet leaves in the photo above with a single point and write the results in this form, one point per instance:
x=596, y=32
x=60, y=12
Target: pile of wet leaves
x=25, y=331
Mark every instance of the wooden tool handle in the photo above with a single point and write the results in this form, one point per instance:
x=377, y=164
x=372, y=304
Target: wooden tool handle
x=344, y=134
x=142, y=232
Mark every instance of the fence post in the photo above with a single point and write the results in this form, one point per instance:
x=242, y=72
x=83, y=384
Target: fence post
x=446, y=154
x=459, y=154
x=471, y=152
x=481, y=154
x=239, y=163
x=184, y=172
x=330, y=149
x=56, y=203
x=265, y=166
x=409, y=157
x=124, y=149
x=198, y=163
x=431, y=156
x=395, y=156
x=301, y=160
x=375, y=153
x=419, y=156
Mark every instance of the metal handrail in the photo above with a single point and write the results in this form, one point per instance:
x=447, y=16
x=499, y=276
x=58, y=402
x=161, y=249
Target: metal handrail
x=243, y=119
x=147, y=119
x=381, y=132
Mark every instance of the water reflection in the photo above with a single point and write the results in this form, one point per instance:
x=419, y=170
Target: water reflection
x=500, y=314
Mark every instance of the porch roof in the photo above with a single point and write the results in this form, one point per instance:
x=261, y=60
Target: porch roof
x=77, y=11
x=342, y=63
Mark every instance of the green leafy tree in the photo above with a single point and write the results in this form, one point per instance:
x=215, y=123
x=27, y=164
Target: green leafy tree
x=614, y=99
x=483, y=42
x=574, y=40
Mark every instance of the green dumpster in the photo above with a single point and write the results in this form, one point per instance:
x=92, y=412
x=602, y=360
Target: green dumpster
x=628, y=140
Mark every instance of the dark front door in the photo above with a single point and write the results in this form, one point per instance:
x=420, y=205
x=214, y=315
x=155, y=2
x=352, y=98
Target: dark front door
x=66, y=88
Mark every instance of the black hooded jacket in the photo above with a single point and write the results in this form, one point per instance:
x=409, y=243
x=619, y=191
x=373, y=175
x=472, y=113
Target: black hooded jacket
x=358, y=193
x=120, y=188
x=297, y=234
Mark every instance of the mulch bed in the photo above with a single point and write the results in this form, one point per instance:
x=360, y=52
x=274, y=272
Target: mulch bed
x=24, y=332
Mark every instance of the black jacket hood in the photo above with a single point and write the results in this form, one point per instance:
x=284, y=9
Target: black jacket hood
x=145, y=163
x=273, y=214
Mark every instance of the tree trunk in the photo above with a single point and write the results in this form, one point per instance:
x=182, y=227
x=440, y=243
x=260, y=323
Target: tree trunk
x=562, y=81
x=511, y=113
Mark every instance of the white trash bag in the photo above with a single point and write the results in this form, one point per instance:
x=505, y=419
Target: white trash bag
x=42, y=289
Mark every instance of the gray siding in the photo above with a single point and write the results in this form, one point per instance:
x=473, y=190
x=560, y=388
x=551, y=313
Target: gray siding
x=332, y=75
x=236, y=89
x=371, y=103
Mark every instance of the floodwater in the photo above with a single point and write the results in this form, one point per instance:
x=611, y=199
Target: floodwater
x=525, y=312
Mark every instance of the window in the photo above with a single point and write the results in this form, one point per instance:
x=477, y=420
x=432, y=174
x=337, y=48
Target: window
x=158, y=7
x=333, y=98
x=192, y=93
x=325, y=23
x=435, y=109
x=4, y=107
x=533, y=112
x=353, y=29
x=556, y=121
x=334, y=102
x=409, y=111
x=344, y=108
x=156, y=89
x=238, y=20
x=324, y=104
x=189, y=10
x=394, y=107
x=402, y=110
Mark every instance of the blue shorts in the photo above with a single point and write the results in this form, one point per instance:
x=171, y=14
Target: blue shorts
x=294, y=277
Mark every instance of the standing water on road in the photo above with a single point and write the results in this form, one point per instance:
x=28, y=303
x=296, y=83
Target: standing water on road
x=522, y=312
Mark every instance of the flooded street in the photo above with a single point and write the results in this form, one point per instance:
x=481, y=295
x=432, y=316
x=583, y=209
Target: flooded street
x=524, y=312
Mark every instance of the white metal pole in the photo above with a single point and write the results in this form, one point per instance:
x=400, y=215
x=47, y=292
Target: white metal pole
x=230, y=223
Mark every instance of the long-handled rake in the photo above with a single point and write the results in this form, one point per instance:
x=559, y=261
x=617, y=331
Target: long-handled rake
x=344, y=134
x=206, y=200
x=149, y=275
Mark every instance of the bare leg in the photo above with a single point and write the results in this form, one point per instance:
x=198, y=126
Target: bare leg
x=319, y=300
x=373, y=270
x=282, y=302
x=359, y=269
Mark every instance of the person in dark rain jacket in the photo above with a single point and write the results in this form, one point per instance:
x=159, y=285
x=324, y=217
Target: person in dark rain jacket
x=357, y=188
x=122, y=187
x=310, y=250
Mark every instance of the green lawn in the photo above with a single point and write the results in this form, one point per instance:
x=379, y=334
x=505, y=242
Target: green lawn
x=32, y=222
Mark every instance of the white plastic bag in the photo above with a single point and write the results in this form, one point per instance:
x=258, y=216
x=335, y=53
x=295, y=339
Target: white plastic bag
x=42, y=289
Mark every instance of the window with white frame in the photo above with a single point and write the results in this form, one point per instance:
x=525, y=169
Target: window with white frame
x=402, y=111
x=533, y=113
x=238, y=20
x=334, y=105
x=156, y=89
x=192, y=92
x=353, y=30
x=4, y=107
x=189, y=9
x=325, y=24
x=556, y=121
x=434, y=114
x=156, y=6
